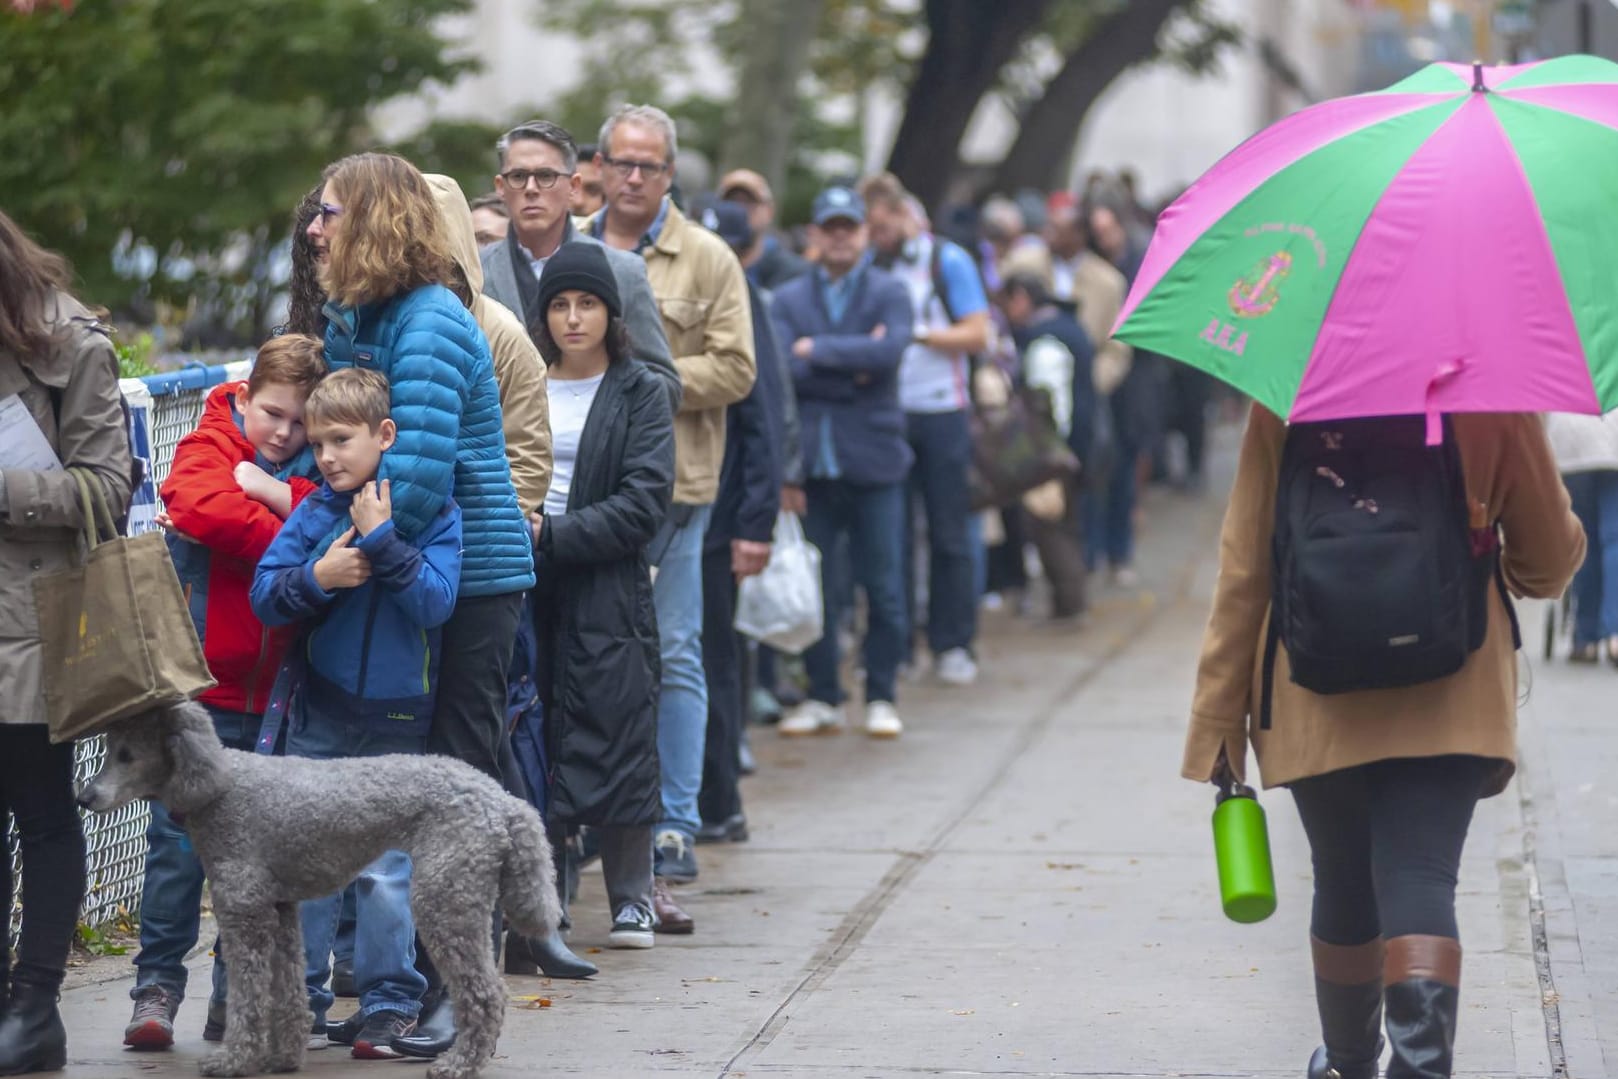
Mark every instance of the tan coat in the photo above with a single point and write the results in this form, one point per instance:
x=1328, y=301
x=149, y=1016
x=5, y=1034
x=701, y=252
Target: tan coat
x=1508, y=466
x=1100, y=290
x=702, y=295
x=525, y=404
x=39, y=511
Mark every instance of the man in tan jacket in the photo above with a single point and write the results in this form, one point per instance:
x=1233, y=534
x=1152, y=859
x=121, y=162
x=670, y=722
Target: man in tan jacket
x=702, y=295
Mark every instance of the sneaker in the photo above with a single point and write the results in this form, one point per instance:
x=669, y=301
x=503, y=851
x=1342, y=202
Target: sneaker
x=882, y=721
x=812, y=717
x=632, y=927
x=214, y=1029
x=1125, y=577
x=375, y=1038
x=956, y=667
x=674, y=856
x=152, y=1024
x=318, y=1038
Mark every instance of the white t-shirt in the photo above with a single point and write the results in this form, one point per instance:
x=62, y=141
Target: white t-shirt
x=570, y=407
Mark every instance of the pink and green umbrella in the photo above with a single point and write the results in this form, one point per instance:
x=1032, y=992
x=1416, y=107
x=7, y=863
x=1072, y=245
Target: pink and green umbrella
x=1449, y=244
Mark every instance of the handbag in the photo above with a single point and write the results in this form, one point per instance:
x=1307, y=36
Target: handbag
x=782, y=606
x=116, y=636
x=1015, y=448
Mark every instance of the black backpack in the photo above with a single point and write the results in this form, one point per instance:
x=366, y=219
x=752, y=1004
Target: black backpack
x=1378, y=578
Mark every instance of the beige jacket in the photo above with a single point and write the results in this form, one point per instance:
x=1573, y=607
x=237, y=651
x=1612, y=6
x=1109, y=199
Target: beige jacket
x=1509, y=469
x=525, y=405
x=702, y=295
x=72, y=394
x=1100, y=289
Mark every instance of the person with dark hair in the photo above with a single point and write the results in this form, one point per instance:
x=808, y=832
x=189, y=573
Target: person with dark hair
x=588, y=195
x=59, y=368
x=612, y=433
x=305, y=294
x=490, y=219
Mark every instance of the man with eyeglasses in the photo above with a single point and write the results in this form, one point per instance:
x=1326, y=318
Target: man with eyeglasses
x=538, y=178
x=702, y=295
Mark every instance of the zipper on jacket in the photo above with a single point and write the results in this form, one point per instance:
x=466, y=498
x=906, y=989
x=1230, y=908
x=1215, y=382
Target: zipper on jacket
x=365, y=640
x=426, y=664
x=258, y=668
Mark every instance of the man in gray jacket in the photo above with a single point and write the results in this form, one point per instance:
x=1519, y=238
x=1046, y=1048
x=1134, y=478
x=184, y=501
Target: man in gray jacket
x=538, y=177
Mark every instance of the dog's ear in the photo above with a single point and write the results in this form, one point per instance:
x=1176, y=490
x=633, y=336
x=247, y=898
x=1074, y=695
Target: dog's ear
x=199, y=772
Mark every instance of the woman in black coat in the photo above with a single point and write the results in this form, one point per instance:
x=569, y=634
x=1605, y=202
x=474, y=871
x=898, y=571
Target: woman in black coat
x=598, y=673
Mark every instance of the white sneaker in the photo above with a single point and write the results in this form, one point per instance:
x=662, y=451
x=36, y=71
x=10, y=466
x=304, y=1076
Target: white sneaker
x=956, y=668
x=881, y=721
x=811, y=717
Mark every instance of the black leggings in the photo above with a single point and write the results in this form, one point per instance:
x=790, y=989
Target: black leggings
x=1386, y=842
x=36, y=789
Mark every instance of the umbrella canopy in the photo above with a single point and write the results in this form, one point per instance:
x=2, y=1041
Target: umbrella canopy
x=1446, y=245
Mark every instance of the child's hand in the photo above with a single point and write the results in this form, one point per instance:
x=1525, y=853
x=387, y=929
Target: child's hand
x=264, y=488
x=166, y=523
x=342, y=566
x=372, y=507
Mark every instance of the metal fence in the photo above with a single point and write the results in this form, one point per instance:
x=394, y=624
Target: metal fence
x=163, y=410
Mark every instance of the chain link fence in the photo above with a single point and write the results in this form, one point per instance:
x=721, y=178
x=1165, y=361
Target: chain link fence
x=163, y=410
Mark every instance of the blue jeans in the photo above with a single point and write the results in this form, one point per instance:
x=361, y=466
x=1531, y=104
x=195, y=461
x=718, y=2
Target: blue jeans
x=942, y=442
x=384, y=931
x=171, y=897
x=682, y=708
x=1109, y=516
x=1595, y=586
x=873, y=520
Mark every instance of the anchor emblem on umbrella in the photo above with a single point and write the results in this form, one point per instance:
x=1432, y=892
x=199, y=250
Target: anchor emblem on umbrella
x=1259, y=292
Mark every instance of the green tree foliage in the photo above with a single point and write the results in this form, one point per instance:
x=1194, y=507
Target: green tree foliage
x=163, y=145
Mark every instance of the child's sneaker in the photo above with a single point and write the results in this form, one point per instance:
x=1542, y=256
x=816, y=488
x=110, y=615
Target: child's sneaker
x=317, y=1036
x=152, y=1024
x=375, y=1039
x=632, y=927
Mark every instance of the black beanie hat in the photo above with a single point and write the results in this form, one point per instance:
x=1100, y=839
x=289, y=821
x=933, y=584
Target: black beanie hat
x=580, y=265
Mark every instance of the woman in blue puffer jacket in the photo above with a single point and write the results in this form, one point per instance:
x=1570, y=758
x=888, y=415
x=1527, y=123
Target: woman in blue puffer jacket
x=389, y=273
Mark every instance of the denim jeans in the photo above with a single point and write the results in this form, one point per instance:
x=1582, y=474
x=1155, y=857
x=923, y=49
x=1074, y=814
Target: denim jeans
x=873, y=520
x=1595, y=586
x=942, y=442
x=1109, y=516
x=384, y=931
x=171, y=897
x=682, y=709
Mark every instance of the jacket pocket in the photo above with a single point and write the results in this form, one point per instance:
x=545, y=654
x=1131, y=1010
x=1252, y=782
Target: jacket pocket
x=684, y=320
x=21, y=561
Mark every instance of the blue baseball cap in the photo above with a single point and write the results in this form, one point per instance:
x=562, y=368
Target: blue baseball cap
x=838, y=204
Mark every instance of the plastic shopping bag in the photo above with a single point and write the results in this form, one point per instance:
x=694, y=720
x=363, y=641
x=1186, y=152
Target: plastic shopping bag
x=781, y=607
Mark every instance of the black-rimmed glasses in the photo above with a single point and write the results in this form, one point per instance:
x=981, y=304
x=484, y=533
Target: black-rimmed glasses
x=626, y=168
x=545, y=178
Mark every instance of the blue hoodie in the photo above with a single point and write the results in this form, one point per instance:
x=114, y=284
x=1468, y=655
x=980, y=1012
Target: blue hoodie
x=371, y=652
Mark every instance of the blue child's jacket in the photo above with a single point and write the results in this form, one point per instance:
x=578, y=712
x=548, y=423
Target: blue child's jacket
x=371, y=653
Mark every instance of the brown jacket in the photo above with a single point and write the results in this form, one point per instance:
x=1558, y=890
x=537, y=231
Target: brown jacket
x=525, y=404
x=702, y=295
x=72, y=394
x=1508, y=466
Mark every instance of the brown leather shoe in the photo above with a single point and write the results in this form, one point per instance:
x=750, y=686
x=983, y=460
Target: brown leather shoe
x=670, y=918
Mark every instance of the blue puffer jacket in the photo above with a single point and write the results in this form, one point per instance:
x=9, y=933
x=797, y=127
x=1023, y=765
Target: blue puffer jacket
x=371, y=653
x=447, y=406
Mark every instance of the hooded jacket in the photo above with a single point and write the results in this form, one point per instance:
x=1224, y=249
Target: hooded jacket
x=231, y=533
x=71, y=393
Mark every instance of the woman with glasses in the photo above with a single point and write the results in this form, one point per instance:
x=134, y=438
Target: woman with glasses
x=59, y=375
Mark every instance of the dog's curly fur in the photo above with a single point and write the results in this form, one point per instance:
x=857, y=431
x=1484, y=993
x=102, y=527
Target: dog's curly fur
x=272, y=831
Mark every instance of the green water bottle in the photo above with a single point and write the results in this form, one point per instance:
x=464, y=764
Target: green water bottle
x=1242, y=848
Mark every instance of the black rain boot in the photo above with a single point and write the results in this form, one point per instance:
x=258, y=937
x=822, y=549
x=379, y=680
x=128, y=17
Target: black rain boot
x=1422, y=975
x=32, y=1038
x=1348, y=993
x=548, y=955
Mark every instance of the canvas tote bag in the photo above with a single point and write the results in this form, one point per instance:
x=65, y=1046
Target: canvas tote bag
x=115, y=635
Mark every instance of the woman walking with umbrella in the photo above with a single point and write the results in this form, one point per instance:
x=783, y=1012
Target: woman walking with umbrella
x=1400, y=316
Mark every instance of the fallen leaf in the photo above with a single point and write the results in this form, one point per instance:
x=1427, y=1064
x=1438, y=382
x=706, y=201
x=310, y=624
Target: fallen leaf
x=965, y=1011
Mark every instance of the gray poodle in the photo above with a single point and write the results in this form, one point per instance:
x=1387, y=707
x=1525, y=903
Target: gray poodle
x=272, y=831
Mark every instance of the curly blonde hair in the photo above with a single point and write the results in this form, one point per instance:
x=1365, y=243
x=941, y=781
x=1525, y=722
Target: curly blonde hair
x=392, y=238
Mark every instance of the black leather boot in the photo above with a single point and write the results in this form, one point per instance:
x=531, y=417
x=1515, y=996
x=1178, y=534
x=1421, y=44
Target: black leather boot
x=1423, y=1002
x=32, y=1038
x=1348, y=994
x=544, y=955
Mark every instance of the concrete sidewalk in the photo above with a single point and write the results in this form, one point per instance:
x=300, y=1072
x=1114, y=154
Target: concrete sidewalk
x=1022, y=885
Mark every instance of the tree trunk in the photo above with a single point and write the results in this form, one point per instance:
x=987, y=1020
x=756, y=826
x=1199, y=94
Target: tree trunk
x=1051, y=125
x=968, y=42
x=768, y=86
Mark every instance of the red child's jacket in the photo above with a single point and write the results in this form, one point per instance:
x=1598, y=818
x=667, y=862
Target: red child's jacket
x=231, y=532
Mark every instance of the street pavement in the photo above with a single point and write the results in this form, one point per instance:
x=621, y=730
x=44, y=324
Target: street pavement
x=1023, y=886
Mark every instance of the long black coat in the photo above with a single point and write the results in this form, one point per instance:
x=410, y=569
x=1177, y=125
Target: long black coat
x=598, y=667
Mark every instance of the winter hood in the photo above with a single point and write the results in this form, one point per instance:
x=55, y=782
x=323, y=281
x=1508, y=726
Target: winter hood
x=457, y=215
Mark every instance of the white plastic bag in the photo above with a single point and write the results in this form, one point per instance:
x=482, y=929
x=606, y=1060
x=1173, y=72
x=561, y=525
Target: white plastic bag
x=781, y=607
